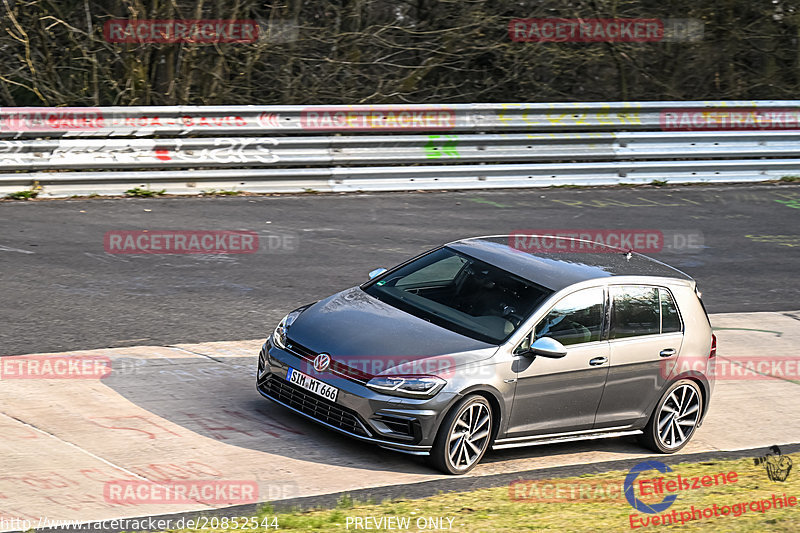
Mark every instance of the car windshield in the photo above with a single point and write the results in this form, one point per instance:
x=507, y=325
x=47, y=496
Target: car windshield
x=460, y=293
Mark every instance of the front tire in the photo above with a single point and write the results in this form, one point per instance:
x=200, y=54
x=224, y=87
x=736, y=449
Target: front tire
x=464, y=436
x=675, y=418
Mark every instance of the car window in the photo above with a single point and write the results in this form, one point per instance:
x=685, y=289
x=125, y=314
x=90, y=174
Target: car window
x=461, y=293
x=575, y=319
x=638, y=310
x=670, y=319
x=440, y=272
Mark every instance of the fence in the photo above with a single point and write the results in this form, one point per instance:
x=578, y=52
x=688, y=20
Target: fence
x=187, y=150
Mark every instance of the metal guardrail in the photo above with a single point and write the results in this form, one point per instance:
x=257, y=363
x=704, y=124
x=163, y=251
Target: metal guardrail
x=251, y=120
x=334, y=148
x=394, y=178
x=61, y=154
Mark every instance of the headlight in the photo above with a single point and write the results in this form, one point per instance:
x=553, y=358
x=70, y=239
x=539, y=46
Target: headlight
x=279, y=335
x=414, y=386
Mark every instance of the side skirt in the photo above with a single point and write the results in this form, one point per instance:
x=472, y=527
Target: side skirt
x=536, y=440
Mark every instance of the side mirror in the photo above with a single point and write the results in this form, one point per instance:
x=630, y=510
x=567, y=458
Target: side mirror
x=377, y=272
x=547, y=347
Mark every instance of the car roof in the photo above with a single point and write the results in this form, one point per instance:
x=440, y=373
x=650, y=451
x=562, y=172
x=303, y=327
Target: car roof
x=559, y=269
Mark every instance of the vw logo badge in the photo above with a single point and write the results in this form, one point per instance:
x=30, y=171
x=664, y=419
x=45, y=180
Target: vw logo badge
x=322, y=362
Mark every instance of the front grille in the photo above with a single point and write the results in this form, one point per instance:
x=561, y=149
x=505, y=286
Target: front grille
x=300, y=350
x=315, y=407
x=338, y=364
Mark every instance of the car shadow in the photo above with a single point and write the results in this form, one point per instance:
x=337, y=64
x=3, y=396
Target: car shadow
x=610, y=449
x=217, y=398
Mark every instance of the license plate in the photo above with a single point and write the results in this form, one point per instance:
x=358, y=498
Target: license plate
x=312, y=385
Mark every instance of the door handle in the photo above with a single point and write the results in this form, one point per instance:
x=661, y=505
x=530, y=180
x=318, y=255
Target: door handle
x=668, y=352
x=597, y=361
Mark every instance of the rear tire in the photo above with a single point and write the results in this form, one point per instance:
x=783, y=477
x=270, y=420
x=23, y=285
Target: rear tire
x=464, y=436
x=675, y=418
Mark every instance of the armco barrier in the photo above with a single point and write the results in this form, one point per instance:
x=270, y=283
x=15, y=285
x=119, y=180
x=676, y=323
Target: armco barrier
x=394, y=147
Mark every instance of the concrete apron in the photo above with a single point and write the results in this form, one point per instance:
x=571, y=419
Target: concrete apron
x=190, y=414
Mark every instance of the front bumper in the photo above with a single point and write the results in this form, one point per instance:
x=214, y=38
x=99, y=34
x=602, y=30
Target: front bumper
x=406, y=425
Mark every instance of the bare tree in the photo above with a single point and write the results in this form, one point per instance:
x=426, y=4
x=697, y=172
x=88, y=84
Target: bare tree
x=54, y=53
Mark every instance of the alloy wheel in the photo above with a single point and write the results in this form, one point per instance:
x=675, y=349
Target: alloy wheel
x=469, y=436
x=678, y=416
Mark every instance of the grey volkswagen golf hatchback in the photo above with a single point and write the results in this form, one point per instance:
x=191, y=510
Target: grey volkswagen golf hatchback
x=480, y=343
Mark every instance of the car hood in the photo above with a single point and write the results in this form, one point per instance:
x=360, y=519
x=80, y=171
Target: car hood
x=363, y=332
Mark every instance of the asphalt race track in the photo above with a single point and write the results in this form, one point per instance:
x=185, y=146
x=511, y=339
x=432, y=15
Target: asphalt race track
x=61, y=291
x=190, y=413
x=180, y=400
